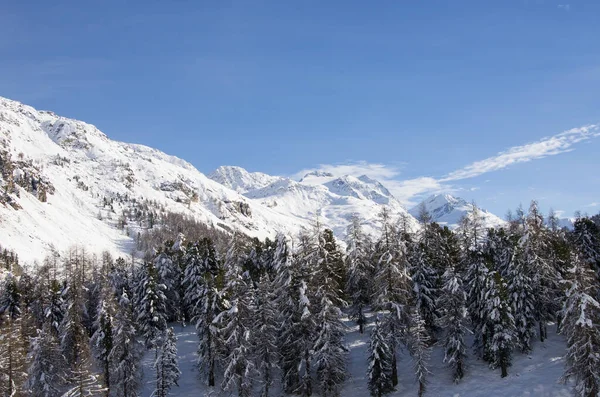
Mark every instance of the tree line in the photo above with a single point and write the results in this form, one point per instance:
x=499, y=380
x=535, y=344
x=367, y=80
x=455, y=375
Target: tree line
x=270, y=315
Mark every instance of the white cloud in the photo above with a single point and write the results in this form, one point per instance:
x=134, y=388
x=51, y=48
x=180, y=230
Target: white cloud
x=377, y=171
x=549, y=146
x=593, y=204
x=566, y=7
x=559, y=213
x=410, y=191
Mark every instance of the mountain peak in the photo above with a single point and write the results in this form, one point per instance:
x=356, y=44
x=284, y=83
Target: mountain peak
x=448, y=210
x=241, y=180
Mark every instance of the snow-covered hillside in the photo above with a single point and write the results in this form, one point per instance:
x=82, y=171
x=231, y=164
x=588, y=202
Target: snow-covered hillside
x=334, y=199
x=57, y=174
x=64, y=182
x=448, y=210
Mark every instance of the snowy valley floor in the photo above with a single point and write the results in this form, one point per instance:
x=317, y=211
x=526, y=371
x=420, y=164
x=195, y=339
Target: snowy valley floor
x=533, y=375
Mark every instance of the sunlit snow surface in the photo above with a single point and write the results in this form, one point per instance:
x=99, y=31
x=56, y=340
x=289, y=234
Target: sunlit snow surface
x=530, y=375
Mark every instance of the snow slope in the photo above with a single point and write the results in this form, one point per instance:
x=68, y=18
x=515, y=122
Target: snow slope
x=84, y=166
x=335, y=200
x=530, y=375
x=448, y=210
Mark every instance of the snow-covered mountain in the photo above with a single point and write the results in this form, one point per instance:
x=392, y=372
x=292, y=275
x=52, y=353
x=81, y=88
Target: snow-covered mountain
x=334, y=199
x=63, y=182
x=448, y=210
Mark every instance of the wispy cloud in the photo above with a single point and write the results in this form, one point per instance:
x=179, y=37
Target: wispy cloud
x=566, y=7
x=372, y=170
x=545, y=147
x=409, y=191
x=594, y=204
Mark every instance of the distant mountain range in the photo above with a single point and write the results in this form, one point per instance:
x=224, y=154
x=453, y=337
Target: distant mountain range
x=63, y=182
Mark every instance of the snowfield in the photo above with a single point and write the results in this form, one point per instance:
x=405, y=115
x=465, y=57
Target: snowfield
x=530, y=375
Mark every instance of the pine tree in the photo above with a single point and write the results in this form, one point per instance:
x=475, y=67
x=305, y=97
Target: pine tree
x=586, y=238
x=151, y=306
x=360, y=272
x=305, y=341
x=287, y=290
x=581, y=318
x=44, y=373
x=499, y=323
x=417, y=345
x=393, y=286
x=166, y=365
x=476, y=276
x=235, y=325
x=264, y=337
x=453, y=321
x=424, y=280
x=379, y=363
x=330, y=353
x=522, y=300
x=12, y=345
x=102, y=340
x=169, y=274
x=125, y=355
x=210, y=305
x=72, y=333
x=534, y=248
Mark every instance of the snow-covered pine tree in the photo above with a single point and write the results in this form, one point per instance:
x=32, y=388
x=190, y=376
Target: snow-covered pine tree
x=522, y=300
x=166, y=365
x=586, y=238
x=235, y=324
x=73, y=336
x=169, y=274
x=76, y=349
x=360, y=271
x=125, y=355
x=55, y=310
x=424, y=280
x=379, y=366
x=287, y=292
x=102, y=339
x=559, y=256
x=10, y=298
x=533, y=251
x=417, y=342
x=210, y=305
x=151, y=306
x=331, y=271
x=393, y=290
x=12, y=345
x=151, y=309
x=476, y=276
x=500, y=248
x=329, y=350
x=45, y=370
x=265, y=330
x=499, y=323
x=305, y=342
x=453, y=320
x=581, y=314
x=193, y=281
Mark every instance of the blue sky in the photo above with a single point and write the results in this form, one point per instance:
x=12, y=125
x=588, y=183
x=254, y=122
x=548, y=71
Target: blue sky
x=410, y=92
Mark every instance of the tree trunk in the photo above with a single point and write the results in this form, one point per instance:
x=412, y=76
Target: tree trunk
x=394, y=368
